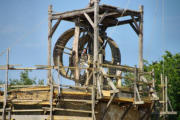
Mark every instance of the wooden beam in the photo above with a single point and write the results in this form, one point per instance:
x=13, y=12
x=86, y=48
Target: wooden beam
x=71, y=13
x=123, y=22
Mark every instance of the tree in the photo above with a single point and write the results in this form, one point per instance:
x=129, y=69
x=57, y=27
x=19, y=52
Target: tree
x=170, y=67
x=25, y=80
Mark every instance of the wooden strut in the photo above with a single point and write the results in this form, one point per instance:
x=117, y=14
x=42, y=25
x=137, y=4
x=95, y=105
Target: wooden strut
x=134, y=28
x=89, y=19
x=54, y=27
x=126, y=111
x=108, y=105
x=115, y=90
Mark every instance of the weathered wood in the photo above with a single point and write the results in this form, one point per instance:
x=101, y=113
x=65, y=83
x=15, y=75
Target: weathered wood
x=51, y=100
x=134, y=28
x=119, y=80
x=77, y=100
x=46, y=117
x=95, y=51
x=71, y=13
x=135, y=79
x=121, y=22
x=120, y=67
x=49, y=41
x=54, y=27
x=116, y=13
x=166, y=94
x=141, y=39
x=101, y=79
x=75, y=49
x=135, y=22
x=126, y=111
x=5, y=88
x=64, y=47
x=88, y=79
x=59, y=80
x=89, y=19
x=102, y=17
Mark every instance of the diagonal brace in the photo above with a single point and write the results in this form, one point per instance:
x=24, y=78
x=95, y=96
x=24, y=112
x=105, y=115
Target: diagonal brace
x=89, y=19
x=54, y=27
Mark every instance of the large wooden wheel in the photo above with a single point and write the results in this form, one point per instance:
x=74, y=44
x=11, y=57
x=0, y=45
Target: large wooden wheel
x=85, y=53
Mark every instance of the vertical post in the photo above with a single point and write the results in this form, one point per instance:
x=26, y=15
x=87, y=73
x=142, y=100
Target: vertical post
x=6, y=87
x=50, y=80
x=166, y=94
x=162, y=85
x=49, y=41
x=153, y=85
x=135, y=79
x=51, y=100
x=100, y=66
x=141, y=38
x=100, y=78
x=119, y=81
x=96, y=51
x=59, y=82
x=75, y=49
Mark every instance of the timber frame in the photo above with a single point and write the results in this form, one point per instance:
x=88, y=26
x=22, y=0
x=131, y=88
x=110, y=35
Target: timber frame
x=96, y=18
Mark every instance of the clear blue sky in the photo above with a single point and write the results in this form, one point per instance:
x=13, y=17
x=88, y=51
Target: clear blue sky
x=23, y=28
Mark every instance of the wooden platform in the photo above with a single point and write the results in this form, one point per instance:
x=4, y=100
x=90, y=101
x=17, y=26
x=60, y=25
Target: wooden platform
x=40, y=95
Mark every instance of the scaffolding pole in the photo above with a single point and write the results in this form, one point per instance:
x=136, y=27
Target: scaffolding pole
x=141, y=9
x=6, y=87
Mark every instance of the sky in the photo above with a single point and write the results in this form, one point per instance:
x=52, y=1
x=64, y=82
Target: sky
x=24, y=28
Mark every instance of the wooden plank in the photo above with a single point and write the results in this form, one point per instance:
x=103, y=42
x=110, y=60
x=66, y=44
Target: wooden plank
x=71, y=13
x=46, y=117
x=72, y=110
x=71, y=118
x=76, y=13
x=168, y=113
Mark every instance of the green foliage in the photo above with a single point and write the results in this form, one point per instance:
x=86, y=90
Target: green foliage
x=25, y=80
x=128, y=82
x=170, y=67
